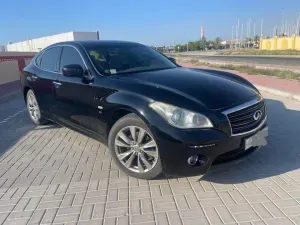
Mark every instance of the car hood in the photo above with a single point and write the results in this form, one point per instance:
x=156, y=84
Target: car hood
x=212, y=90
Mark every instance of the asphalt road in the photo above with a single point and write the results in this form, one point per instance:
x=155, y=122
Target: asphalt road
x=14, y=106
x=53, y=175
x=284, y=61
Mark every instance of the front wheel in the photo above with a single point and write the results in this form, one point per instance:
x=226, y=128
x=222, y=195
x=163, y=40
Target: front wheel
x=34, y=109
x=134, y=148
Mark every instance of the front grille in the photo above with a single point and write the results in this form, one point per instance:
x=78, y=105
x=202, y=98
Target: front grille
x=243, y=121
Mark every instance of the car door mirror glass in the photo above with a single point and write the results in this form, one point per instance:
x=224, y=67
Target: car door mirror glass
x=72, y=70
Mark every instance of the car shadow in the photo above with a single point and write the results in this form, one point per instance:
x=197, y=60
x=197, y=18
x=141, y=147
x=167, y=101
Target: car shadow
x=12, y=132
x=280, y=156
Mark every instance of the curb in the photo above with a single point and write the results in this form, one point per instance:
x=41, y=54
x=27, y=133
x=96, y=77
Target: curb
x=255, y=65
x=258, y=66
x=278, y=92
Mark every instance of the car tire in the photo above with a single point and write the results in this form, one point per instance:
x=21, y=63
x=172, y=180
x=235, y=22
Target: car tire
x=144, y=156
x=34, y=109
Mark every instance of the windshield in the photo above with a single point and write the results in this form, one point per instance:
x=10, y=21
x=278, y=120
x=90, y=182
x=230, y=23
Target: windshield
x=127, y=59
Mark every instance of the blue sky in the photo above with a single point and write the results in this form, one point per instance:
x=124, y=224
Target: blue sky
x=151, y=22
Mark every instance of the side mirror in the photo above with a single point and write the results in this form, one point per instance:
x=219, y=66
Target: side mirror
x=173, y=60
x=73, y=70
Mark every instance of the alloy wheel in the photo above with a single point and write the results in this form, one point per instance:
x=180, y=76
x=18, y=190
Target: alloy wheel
x=136, y=149
x=33, y=108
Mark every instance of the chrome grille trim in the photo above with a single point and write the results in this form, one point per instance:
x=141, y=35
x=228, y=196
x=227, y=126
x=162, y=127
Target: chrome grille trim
x=243, y=106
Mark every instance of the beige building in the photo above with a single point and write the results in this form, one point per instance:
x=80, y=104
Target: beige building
x=280, y=43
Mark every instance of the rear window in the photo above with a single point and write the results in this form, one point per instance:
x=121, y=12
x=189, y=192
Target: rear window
x=49, y=59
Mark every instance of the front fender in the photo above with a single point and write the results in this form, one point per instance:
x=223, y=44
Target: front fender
x=132, y=102
x=139, y=105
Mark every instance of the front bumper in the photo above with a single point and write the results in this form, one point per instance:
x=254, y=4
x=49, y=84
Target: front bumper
x=211, y=145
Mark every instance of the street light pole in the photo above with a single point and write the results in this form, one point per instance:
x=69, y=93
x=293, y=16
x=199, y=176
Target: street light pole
x=242, y=35
x=298, y=31
x=250, y=28
x=232, y=36
x=237, y=34
x=297, y=28
x=261, y=27
x=282, y=23
x=235, y=37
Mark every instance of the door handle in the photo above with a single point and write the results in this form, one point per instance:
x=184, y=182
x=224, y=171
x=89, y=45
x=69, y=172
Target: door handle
x=56, y=84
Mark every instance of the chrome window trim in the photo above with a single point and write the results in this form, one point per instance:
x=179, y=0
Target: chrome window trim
x=36, y=56
x=243, y=106
x=60, y=45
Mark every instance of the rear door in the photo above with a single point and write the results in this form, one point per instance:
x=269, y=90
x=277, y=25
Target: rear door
x=74, y=97
x=42, y=78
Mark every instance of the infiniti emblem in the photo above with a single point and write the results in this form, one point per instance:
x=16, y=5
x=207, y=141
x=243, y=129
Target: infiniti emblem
x=257, y=115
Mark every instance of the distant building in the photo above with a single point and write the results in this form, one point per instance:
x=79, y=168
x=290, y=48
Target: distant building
x=202, y=33
x=228, y=44
x=2, y=48
x=37, y=44
x=168, y=48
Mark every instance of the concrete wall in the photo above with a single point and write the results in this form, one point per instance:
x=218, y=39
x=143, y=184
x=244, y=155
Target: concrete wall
x=9, y=72
x=10, y=65
x=13, y=54
x=83, y=36
x=280, y=43
x=35, y=45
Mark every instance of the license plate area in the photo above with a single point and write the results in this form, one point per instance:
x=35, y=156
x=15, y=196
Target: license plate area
x=259, y=139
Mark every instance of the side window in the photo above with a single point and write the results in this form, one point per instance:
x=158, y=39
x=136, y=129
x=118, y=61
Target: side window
x=49, y=59
x=69, y=56
x=38, y=59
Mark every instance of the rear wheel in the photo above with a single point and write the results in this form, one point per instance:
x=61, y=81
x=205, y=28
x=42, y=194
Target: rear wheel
x=134, y=148
x=34, y=109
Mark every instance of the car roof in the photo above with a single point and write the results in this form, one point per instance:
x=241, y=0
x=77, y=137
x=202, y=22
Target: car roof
x=101, y=43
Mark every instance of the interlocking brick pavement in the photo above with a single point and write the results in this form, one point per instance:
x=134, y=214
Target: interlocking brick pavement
x=53, y=175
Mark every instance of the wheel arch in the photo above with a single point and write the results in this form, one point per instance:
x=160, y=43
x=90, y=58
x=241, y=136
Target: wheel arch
x=25, y=91
x=126, y=103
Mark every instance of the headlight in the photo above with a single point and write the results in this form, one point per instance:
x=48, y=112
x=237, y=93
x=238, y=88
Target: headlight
x=179, y=117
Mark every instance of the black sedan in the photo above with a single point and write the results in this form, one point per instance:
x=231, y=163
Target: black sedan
x=155, y=116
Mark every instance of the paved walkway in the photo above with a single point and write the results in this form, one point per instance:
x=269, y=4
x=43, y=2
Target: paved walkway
x=53, y=175
x=290, y=86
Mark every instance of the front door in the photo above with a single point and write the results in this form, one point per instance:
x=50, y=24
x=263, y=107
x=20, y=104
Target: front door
x=74, y=96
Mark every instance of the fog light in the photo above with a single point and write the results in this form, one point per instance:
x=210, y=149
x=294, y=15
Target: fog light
x=193, y=160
